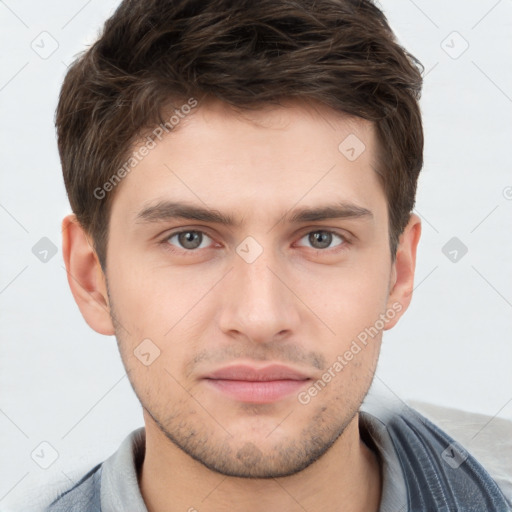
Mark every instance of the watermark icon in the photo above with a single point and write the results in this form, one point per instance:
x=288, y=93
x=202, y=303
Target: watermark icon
x=454, y=45
x=361, y=341
x=146, y=352
x=454, y=455
x=454, y=249
x=44, y=250
x=352, y=147
x=44, y=455
x=45, y=45
x=249, y=249
x=507, y=193
x=144, y=149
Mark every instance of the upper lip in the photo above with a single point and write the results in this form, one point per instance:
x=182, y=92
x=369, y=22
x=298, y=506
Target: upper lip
x=252, y=373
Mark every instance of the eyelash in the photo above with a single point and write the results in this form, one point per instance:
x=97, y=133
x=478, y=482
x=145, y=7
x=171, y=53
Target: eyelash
x=191, y=252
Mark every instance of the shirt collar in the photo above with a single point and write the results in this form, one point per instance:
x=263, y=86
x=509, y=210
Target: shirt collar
x=120, y=487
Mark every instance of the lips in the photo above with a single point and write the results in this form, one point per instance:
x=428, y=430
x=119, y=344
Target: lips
x=256, y=385
x=250, y=373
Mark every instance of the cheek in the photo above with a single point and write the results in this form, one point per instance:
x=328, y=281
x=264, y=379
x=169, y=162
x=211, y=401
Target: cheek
x=349, y=298
x=154, y=299
x=162, y=305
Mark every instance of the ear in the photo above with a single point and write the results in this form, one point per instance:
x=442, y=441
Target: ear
x=85, y=277
x=402, y=272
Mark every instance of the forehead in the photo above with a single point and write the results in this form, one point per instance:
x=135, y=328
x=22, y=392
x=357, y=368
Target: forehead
x=253, y=162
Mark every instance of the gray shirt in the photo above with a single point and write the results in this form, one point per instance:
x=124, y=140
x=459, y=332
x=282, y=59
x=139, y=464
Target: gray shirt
x=423, y=469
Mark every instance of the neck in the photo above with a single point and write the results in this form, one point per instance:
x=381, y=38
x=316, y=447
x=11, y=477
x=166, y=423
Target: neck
x=346, y=478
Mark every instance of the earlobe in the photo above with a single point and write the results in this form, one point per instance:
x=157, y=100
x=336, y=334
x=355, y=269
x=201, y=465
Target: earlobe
x=85, y=277
x=402, y=272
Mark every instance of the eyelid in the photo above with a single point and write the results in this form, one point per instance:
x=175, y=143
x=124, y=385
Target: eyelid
x=342, y=232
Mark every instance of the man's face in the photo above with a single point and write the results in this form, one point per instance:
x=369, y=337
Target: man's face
x=266, y=289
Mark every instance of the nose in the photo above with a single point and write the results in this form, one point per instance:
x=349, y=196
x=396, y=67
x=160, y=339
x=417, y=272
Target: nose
x=258, y=300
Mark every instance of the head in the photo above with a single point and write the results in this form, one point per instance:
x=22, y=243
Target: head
x=242, y=177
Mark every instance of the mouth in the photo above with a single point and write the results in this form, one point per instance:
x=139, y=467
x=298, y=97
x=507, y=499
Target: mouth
x=257, y=385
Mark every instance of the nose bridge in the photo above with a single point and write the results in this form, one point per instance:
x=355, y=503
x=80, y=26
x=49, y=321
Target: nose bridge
x=256, y=281
x=259, y=305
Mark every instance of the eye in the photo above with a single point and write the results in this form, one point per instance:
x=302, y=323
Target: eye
x=189, y=240
x=323, y=239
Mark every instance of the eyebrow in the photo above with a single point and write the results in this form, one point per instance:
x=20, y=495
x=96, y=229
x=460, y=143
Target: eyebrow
x=169, y=210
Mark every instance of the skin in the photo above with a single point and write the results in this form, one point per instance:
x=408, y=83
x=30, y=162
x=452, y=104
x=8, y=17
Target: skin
x=297, y=304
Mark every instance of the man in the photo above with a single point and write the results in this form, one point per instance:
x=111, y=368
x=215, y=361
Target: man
x=242, y=176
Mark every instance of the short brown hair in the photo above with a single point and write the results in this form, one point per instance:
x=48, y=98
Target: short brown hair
x=247, y=53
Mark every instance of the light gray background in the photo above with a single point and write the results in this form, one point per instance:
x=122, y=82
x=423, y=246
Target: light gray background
x=62, y=383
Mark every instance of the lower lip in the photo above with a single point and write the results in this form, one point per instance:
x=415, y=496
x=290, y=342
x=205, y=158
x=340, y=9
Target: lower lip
x=260, y=392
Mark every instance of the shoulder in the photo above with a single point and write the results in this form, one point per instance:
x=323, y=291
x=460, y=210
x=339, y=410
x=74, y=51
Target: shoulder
x=84, y=496
x=111, y=484
x=487, y=438
x=440, y=473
